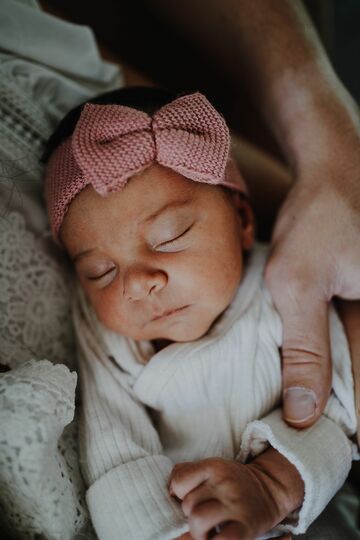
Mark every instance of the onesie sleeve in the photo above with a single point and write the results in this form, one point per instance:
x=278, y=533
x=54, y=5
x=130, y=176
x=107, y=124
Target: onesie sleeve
x=121, y=455
x=322, y=453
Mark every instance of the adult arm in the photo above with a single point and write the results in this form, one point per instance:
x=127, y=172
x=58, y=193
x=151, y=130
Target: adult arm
x=269, y=182
x=272, y=49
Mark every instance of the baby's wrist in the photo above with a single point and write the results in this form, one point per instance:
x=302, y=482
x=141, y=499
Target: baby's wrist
x=281, y=481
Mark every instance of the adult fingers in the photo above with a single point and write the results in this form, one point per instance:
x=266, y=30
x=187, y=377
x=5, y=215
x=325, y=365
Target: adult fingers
x=305, y=350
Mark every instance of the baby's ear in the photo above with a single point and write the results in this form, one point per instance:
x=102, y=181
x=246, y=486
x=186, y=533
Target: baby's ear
x=247, y=220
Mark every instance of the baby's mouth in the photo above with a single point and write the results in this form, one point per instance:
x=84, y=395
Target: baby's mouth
x=169, y=313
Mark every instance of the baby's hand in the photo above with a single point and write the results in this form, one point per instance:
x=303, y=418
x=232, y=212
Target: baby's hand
x=226, y=499
x=217, y=492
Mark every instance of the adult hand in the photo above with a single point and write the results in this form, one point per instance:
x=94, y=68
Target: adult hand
x=272, y=50
x=315, y=256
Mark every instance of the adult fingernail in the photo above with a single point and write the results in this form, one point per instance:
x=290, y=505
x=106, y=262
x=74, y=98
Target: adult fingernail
x=299, y=404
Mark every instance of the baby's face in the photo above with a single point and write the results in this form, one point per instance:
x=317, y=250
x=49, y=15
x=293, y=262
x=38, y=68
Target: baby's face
x=160, y=259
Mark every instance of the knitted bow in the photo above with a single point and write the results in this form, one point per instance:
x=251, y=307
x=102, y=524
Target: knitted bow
x=112, y=143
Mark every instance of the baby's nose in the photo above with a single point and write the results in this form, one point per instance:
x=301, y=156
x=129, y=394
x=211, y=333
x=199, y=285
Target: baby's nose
x=139, y=283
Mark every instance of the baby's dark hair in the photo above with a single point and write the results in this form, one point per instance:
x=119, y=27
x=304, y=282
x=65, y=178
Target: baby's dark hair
x=144, y=98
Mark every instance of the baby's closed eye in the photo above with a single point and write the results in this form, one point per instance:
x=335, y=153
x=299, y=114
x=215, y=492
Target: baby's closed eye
x=173, y=242
x=99, y=271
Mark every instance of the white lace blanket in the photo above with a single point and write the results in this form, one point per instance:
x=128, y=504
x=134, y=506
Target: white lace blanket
x=41, y=490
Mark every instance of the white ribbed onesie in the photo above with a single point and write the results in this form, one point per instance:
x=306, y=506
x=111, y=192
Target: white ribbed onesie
x=142, y=412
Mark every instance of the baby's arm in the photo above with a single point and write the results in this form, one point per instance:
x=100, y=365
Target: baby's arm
x=121, y=456
x=321, y=455
x=247, y=500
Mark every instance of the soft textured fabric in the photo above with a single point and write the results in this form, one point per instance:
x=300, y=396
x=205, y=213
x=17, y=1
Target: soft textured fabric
x=111, y=143
x=217, y=396
x=41, y=492
x=47, y=66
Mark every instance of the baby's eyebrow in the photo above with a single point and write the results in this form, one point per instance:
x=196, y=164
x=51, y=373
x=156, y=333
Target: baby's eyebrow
x=81, y=254
x=173, y=205
x=168, y=206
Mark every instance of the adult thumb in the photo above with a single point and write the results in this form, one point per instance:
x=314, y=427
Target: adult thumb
x=306, y=362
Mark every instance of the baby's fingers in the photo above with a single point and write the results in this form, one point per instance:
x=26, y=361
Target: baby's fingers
x=198, y=495
x=187, y=476
x=205, y=517
x=233, y=531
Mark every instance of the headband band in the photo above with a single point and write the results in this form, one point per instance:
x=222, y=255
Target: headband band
x=111, y=143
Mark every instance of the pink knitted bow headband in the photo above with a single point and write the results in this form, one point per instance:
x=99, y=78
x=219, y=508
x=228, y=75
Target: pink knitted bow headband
x=111, y=143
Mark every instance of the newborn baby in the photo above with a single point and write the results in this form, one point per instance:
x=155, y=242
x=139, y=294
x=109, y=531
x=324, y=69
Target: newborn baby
x=178, y=338
x=180, y=244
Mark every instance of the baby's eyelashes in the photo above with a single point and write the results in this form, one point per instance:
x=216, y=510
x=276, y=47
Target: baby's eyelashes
x=101, y=274
x=168, y=245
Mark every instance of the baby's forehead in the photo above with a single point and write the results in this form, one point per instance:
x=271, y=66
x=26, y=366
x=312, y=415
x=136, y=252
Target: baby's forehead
x=157, y=195
x=150, y=190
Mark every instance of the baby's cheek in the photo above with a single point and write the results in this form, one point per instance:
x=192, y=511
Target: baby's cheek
x=115, y=319
x=108, y=310
x=223, y=270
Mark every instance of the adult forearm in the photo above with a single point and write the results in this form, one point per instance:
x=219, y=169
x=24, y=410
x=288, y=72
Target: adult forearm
x=275, y=52
x=270, y=47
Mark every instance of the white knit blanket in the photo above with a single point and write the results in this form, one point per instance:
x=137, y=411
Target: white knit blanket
x=142, y=412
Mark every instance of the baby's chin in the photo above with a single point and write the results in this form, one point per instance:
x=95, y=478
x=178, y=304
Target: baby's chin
x=180, y=332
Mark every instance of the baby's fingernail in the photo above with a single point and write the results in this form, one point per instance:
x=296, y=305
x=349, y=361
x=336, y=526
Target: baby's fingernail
x=299, y=404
